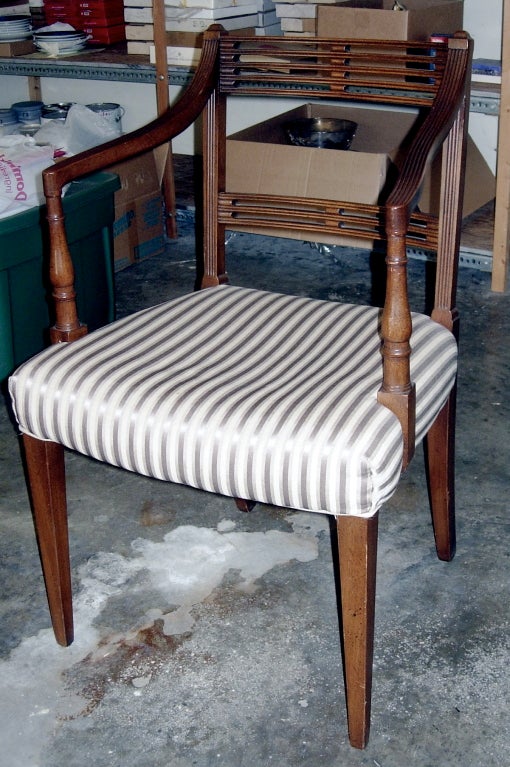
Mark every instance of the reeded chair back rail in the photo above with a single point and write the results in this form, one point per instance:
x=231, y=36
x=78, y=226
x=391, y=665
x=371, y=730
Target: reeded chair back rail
x=397, y=72
x=434, y=78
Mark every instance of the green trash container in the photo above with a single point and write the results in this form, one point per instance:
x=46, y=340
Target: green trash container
x=25, y=308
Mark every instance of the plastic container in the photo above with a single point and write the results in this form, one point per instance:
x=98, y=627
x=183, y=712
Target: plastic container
x=25, y=316
x=8, y=122
x=55, y=112
x=112, y=113
x=28, y=112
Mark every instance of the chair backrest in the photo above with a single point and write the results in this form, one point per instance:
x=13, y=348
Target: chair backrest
x=431, y=77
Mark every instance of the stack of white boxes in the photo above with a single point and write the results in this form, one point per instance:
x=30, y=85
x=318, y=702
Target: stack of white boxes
x=15, y=8
x=299, y=18
x=186, y=20
x=139, y=26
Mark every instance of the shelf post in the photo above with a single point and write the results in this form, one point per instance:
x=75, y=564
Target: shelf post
x=162, y=100
x=501, y=245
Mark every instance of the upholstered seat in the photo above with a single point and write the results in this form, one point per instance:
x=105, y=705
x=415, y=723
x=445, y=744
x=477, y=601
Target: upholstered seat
x=251, y=411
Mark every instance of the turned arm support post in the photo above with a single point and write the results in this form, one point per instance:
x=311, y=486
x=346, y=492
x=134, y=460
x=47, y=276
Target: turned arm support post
x=397, y=391
x=67, y=326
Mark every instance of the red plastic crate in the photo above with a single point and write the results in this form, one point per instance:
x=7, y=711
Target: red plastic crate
x=94, y=19
x=104, y=6
x=105, y=35
x=51, y=6
x=62, y=10
x=69, y=17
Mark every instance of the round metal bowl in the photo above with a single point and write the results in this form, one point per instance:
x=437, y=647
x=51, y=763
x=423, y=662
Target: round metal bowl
x=321, y=132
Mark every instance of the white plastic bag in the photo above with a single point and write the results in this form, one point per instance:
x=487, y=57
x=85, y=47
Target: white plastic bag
x=21, y=166
x=87, y=129
x=83, y=129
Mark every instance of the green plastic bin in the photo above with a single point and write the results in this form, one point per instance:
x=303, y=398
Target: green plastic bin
x=25, y=308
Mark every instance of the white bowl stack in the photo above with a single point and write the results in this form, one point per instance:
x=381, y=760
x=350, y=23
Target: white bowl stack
x=60, y=42
x=14, y=28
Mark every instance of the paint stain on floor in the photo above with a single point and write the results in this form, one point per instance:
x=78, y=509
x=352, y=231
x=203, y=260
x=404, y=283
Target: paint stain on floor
x=49, y=684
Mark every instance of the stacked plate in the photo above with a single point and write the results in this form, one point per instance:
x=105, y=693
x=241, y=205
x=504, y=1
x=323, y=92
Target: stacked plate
x=14, y=28
x=60, y=42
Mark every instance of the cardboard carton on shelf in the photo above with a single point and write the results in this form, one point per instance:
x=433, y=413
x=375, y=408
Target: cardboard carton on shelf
x=376, y=19
x=182, y=48
x=17, y=48
x=138, y=229
x=260, y=159
x=143, y=32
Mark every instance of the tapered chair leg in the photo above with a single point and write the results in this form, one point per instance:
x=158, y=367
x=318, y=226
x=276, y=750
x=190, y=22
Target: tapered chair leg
x=357, y=551
x=46, y=477
x=244, y=505
x=440, y=459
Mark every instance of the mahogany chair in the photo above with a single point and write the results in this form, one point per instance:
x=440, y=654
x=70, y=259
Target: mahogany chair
x=259, y=396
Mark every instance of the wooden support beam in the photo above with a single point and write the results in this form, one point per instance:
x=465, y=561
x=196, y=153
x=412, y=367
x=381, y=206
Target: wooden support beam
x=162, y=100
x=501, y=246
x=34, y=88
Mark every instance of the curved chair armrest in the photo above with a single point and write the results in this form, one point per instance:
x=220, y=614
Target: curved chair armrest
x=435, y=127
x=164, y=128
x=397, y=390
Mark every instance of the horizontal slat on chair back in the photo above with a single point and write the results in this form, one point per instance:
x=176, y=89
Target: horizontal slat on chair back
x=397, y=72
x=319, y=218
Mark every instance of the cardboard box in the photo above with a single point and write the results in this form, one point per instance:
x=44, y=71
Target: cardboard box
x=138, y=230
x=480, y=183
x=17, y=48
x=260, y=159
x=375, y=19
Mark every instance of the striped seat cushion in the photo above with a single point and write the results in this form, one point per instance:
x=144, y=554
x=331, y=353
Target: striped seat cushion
x=241, y=392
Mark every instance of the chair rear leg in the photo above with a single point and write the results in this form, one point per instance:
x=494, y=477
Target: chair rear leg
x=46, y=478
x=440, y=459
x=245, y=505
x=357, y=551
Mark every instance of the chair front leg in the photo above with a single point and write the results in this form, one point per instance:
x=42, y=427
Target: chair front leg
x=46, y=479
x=357, y=551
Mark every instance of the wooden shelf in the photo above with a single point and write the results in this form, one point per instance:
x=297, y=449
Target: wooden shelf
x=112, y=64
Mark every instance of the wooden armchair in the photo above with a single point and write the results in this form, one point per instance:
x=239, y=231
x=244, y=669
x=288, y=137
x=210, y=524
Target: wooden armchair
x=280, y=399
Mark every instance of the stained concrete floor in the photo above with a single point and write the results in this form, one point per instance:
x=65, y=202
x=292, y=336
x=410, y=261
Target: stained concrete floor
x=208, y=637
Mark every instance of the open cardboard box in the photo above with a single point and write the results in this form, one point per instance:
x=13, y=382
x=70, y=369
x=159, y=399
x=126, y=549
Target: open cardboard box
x=260, y=159
x=376, y=19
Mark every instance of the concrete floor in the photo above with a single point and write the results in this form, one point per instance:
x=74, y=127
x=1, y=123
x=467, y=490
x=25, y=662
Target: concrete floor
x=209, y=637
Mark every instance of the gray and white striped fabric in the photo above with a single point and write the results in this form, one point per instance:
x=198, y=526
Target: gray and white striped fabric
x=240, y=392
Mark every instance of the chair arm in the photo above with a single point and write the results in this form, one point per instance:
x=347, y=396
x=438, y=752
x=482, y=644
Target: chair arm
x=161, y=130
x=174, y=121
x=397, y=390
x=436, y=126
